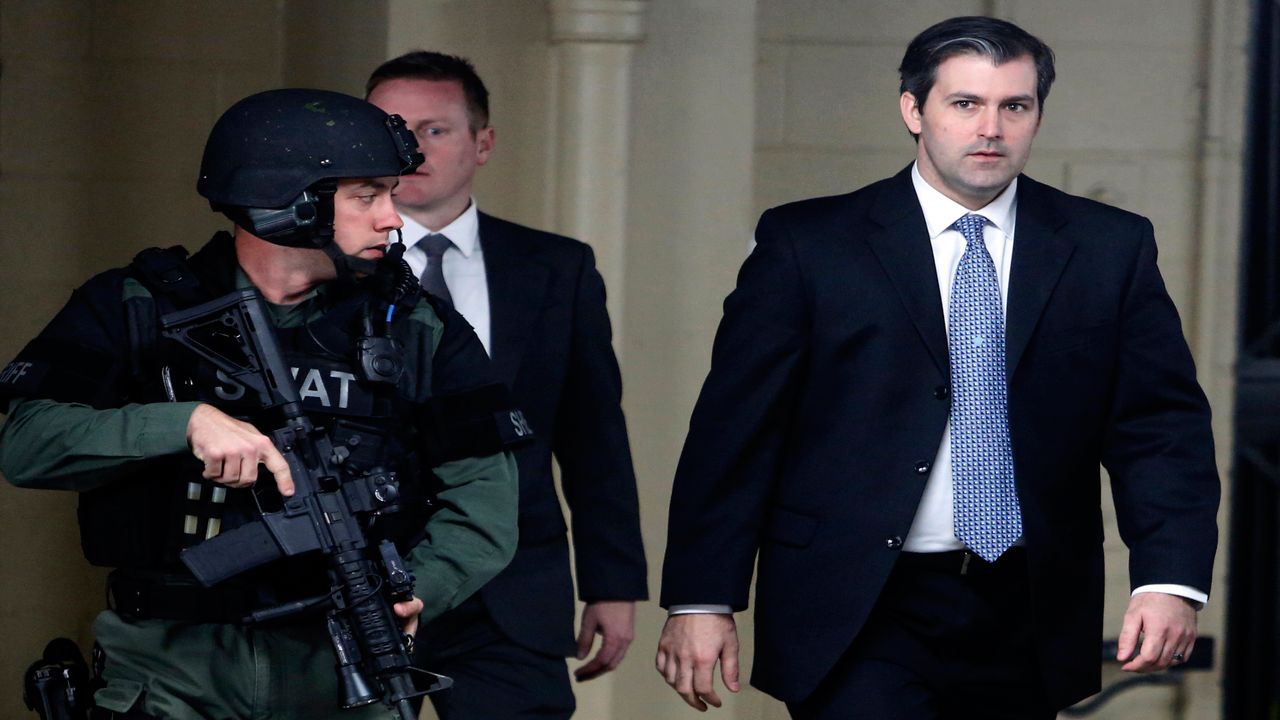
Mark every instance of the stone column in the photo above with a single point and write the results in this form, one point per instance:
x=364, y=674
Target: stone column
x=594, y=42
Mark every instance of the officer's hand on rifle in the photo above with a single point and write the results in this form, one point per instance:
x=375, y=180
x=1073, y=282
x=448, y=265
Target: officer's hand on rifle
x=231, y=451
x=408, y=613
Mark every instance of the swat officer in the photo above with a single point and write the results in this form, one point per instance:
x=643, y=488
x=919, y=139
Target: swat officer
x=167, y=450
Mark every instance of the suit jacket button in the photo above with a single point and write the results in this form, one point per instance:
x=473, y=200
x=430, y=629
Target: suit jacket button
x=893, y=543
x=942, y=392
x=922, y=468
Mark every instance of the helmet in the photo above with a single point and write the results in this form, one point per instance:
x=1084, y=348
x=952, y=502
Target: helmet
x=273, y=160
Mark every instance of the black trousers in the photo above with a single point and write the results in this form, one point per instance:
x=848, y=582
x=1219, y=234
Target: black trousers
x=949, y=639
x=493, y=677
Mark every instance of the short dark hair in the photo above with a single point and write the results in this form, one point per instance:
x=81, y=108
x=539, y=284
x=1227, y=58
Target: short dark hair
x=997, y=39
x=427, y=65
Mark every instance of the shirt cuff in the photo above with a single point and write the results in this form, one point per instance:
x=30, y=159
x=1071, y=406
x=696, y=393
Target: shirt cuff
x=699, y=610
x=1197, y=598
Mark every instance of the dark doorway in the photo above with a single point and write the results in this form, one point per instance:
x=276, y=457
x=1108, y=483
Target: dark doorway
x=1252, y=664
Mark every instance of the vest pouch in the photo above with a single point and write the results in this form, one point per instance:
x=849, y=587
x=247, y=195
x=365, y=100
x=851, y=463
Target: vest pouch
x=136, y=522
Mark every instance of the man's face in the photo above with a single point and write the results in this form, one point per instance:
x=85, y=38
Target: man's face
x=436, y=112
x=976, y=126
x=363, y=214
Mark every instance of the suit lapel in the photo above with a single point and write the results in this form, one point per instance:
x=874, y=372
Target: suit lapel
x=901, y=244
x=517, y=288
x=1040, y=253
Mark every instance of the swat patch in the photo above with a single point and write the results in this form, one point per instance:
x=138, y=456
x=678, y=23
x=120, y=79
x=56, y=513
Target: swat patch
x=324, y=386
x=331, y=390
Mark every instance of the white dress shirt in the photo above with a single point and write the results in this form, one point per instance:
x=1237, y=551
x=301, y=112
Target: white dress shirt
x=933, y=529
x=463, y=266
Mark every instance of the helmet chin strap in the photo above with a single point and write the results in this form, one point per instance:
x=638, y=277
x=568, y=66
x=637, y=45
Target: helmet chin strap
x=349, y=267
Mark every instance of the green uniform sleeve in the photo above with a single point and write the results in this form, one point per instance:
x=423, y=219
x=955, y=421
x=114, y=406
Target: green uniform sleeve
x=472, y=535
x=67, y=446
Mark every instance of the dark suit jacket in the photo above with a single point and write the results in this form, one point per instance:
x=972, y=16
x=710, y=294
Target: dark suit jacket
x=551, y=344
x=828, y=395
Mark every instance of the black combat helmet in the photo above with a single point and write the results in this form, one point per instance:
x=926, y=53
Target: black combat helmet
x=273, y=160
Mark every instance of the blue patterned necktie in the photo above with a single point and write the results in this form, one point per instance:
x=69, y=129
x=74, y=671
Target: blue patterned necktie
x=985, y=500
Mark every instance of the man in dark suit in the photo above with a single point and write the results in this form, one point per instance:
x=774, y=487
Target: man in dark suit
x=538, y=305
x=911, y=392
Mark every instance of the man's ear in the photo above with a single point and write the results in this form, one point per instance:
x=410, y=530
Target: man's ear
x=910, y=112
x=485, y=139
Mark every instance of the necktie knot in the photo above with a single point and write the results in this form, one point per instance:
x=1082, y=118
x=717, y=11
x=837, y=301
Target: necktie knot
x=434, y=244
x=970, y=226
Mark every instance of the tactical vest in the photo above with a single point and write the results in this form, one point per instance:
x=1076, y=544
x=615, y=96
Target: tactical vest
x=141, y=524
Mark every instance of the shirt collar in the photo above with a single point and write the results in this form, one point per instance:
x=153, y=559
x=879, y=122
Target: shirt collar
x=463, y=232
x=941, y=212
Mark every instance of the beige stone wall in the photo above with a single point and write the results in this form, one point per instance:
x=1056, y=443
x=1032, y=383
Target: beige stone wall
x=690, y=221
x=332, y=44
x=508, y=43
x=827, y=87
x=103, y=109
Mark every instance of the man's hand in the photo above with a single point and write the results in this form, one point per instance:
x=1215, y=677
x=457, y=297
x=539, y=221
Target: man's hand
x=232, y=449
x=1166, y=625
x=687, y=653
x=615, y=622
x=408, y=612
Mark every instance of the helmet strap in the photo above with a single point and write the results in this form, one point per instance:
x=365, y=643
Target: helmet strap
x=349, y=267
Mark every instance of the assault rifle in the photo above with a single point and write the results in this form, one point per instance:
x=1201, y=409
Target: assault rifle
x=329, y=513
